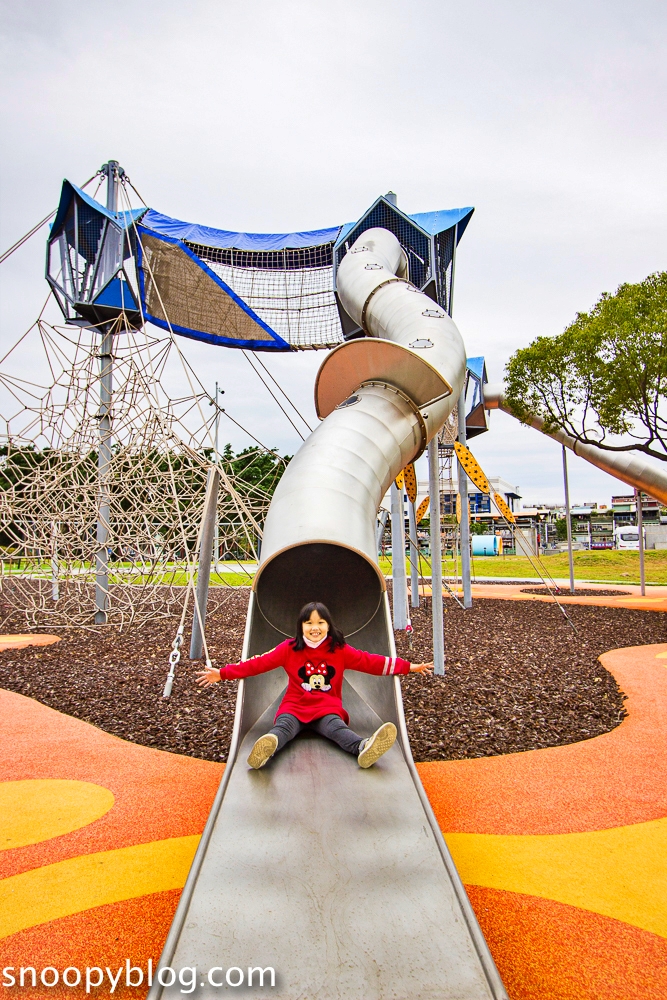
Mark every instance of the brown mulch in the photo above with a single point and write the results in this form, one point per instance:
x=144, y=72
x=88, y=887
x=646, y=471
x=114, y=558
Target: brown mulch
x=578, y=592
x=518, y=678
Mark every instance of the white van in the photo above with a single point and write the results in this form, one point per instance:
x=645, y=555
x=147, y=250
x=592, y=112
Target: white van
x=628, y=537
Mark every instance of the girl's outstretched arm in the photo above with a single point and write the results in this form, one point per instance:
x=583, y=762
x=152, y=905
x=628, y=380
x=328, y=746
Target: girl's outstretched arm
x=246, y=668
x=372, y=663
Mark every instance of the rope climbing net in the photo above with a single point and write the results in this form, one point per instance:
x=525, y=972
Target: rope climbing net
x=161, y=447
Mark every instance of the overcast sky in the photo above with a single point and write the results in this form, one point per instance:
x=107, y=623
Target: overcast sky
x=277, y=116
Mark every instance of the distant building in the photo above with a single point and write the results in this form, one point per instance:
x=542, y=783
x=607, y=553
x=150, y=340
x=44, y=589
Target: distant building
x=480, y=503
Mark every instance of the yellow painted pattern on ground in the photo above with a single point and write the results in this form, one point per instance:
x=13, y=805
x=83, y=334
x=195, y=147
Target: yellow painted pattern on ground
x=619, y=873
x=68, y=887
x=42, y=808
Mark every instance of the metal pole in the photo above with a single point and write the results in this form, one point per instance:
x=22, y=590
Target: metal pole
x=414, y=556
x=209, y=517
x=216, y=543
x=463, y=492
x=382, y=524
x=104, y=454
x=568, y=520
x=55, y=589
x=436, y=558
x=103, y=467
x=398, y=577
x=640, y=530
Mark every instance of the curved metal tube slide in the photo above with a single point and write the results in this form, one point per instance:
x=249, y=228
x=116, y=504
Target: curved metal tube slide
x=633, y=469
x=338, y=878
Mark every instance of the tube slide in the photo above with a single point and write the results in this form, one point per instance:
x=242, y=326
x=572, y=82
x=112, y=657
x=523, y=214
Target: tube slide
x=336, y=878
x=630, y=467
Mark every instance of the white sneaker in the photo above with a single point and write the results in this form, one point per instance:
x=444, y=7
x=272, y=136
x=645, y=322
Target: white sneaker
x=263, y=750
x=377, y=744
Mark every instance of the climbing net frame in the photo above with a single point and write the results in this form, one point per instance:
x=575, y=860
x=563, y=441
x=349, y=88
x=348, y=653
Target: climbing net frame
x=161, y=450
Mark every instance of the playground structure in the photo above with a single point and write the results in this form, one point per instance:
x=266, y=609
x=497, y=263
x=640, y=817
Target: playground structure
x=266, y=868
x=89, y=446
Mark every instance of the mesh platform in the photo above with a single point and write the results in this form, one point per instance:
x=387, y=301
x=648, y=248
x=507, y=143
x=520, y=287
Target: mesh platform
x=291, y=290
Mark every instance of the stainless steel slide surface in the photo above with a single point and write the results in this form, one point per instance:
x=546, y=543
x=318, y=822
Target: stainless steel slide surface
x=332, y=876
x=337, y=878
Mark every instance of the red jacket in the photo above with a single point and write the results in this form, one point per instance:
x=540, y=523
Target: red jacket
x=315, y=675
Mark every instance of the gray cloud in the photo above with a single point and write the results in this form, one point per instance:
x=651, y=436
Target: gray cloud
x=269, y=116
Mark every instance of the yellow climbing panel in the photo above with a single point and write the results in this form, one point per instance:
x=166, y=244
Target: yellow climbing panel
x=407, y=480
x=421, y=510
x=471, y=467
x=503, y=508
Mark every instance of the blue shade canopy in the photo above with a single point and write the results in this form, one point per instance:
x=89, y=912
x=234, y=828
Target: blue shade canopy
x=226, y=240
x=440, y=222
x=124, y=219
x=477, y=366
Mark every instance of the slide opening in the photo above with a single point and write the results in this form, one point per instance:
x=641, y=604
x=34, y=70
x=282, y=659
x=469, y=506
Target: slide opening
x=343, y=579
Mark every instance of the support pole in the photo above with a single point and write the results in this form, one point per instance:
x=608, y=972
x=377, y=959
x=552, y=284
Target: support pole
x=55, y=589
x=436, y=558
x=640, y=531
x=209, y=518
x=104, y=453
x=216, y=543
x=398, y=577
x=103, y=469
x=568, y=520
x=382, y=524
x=463, y=492
x=414, y=556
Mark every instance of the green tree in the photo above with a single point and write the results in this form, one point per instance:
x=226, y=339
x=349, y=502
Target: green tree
x=604, y=379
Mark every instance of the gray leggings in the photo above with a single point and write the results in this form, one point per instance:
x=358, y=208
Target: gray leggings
x=287, y=726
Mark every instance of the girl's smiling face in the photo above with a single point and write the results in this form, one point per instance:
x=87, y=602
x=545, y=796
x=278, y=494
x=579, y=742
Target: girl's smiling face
x=315, y=628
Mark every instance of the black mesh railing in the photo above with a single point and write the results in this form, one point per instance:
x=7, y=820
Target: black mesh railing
x=444, y=255
x=268, y=260
x=90, y=230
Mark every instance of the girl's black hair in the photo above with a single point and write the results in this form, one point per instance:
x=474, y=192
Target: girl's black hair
x=334, y=635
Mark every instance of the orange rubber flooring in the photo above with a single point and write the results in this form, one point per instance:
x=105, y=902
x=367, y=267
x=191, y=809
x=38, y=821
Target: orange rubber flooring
x=562, y=850
x=655, y=598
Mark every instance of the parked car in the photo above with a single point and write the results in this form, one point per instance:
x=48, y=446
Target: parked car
x=628, y=537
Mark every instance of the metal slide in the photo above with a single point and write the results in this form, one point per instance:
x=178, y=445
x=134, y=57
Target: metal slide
x=632, y=468
x=335, y=877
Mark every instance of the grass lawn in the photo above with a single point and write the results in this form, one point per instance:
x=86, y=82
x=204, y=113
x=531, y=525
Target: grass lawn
x=605, y=566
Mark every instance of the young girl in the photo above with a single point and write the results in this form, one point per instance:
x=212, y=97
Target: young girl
x=315, y=661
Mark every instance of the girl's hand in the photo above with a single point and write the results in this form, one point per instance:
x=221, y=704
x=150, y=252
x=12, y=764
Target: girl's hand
x=208, y=676
x=420, y=668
